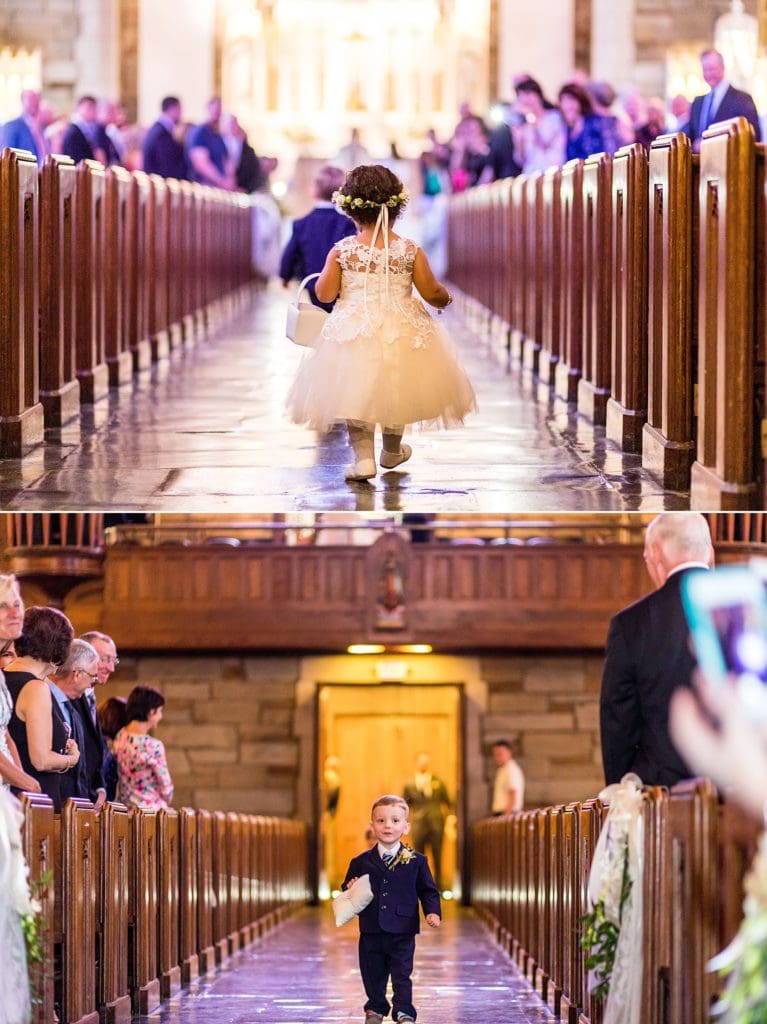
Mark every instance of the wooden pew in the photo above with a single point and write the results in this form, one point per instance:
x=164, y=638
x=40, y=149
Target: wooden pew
x=572, y=992
x=157, y=271
x=220, y=887
x=81, y=879
x=114, y=998
x=693, y=886
x=518, y=264
x=627, y=406
x=234, y=871
x=656, y=899
x=21, y=413
x=168, y=889
x=41, y=839
x=558, y=940
x=118, y=259
x=138, y=281
x=144, y=969
x=190, y=964
x=723, y=474
x=553, y=276
x=668, y=438
x=533, y=326
x=246, y=916
x=591, y=816
x=594, y=386
x=59, y=386
x=570, y=367
x=92, y=370
x=206, y=891
x=177, y=261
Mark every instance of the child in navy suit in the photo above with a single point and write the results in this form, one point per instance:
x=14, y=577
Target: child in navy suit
x=315, y=235
x=400, y=878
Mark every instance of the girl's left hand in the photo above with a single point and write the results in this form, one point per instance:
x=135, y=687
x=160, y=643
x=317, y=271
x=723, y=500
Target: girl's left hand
x=433, y=920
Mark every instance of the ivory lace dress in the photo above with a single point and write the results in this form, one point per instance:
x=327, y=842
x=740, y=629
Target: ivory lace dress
x=381, y=358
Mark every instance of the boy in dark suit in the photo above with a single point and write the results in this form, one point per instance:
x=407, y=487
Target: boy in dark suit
x=399, y=878
x=315, y=235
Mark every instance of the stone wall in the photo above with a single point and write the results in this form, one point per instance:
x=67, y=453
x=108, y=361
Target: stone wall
x=230, y=732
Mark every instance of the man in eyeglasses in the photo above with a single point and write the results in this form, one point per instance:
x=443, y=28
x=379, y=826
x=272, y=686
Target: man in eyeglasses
x=108, y=662
x=68, y=685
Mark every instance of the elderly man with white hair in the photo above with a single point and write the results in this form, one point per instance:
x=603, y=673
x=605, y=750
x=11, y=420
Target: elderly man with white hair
x=68, y=686
x=648, y=656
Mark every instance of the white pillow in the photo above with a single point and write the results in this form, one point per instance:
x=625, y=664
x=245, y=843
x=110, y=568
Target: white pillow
x=352, y=900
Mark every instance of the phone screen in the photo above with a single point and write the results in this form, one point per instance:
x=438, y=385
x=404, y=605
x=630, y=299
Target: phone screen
x=740, y=628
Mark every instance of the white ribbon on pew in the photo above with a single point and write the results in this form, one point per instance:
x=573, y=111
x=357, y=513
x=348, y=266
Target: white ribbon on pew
x=624, y=825
x=14, y=902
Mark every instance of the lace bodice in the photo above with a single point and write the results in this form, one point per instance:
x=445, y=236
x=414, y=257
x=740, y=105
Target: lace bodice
x=6, y=710
x=354, y=257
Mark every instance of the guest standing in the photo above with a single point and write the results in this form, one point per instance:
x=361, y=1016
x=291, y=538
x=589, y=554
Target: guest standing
x=11, y=622
x=584, y=135
x=68, y=684
x=42, y=736
x=26, y=132
x=429, y=805
x=207, y=151
x=648, y=656
x=162, y=152
x=112, y=718
x=81, y=139
x=539, y=142
x=722, y=102
x=144, y=780
x=509, y=783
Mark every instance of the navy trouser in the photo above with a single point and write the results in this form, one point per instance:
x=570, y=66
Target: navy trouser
x=384, y=955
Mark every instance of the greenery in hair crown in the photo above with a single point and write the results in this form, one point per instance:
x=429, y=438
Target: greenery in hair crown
x=352, y=203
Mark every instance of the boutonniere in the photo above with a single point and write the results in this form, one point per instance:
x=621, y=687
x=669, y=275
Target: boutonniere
x=404, y=856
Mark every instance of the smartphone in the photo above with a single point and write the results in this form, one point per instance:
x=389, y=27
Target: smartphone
x=726, y=609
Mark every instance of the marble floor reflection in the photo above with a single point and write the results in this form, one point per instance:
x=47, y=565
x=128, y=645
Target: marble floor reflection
x=206, y=429
x=306, y=971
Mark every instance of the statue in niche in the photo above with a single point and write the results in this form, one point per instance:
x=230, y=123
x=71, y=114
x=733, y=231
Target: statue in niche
x=390, y=604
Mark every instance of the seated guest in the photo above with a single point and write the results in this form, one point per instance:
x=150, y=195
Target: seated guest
x=26, y=131
x=315, y=235
x=163, y=154
x=82, y=139
x=616, y=131
x=208, y=153
x=722, y=102
x=47, y=750
x=112, y=718
x=144, y=780
x=249, y=175
x=584, y=136
x=539, y=142
x=68, y=685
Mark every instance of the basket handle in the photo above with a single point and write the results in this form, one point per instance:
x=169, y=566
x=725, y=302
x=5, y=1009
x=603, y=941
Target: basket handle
x=303, y=285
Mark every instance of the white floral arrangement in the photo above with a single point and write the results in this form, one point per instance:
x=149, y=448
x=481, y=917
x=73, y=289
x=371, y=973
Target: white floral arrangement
x=744, y=962
x=350, y=203
x=404, y=855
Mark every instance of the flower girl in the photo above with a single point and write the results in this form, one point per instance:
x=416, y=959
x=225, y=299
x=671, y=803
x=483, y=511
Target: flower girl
x=380, y=359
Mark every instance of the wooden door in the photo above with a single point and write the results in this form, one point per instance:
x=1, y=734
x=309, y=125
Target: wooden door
x=377, y=732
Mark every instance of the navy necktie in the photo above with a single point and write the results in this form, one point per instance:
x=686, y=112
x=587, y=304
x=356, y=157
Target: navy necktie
x=387, y=859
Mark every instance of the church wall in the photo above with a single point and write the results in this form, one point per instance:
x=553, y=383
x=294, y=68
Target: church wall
x=52, y=26
x=233, y=741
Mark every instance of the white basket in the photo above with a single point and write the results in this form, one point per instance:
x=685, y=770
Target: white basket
x=304, y=319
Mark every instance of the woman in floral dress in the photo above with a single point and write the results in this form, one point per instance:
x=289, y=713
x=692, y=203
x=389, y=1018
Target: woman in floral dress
x=144, y=780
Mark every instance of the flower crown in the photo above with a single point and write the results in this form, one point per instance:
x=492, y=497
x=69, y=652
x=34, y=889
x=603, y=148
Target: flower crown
x=344, y=202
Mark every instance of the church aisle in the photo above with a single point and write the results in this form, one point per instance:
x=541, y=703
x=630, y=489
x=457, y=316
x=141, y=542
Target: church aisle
x=207, y=429
x=307, y=971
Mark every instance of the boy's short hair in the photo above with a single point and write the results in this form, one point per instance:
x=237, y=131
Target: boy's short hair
x=390, y=800
x=327, y=180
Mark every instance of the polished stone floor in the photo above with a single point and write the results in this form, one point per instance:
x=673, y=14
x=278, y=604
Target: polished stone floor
x=206, y=431
x=307, y=971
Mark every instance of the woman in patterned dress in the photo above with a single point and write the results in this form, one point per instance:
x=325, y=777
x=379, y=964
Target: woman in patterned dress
x=144, y=780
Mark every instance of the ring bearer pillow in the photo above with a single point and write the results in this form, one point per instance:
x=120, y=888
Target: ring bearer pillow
x=352, y=900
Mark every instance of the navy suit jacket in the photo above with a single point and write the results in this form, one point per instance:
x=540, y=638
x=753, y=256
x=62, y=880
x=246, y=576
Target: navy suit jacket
x=647, y=657
x=312, y=239
x=735, y=103
x=76, y=145
x=92, y=757
x=17, y=135
x=396, y=893
x=163, y=155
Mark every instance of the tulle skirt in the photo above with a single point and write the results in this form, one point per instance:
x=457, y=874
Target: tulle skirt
x=394, y=374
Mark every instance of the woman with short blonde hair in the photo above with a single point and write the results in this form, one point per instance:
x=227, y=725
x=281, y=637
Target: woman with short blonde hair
x=11, y=623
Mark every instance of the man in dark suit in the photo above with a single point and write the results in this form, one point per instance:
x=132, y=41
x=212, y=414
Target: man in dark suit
x=400, y=879
x=429, y=804
x=25, y=131
x=81, y=139
x=648, y=656
x=73, y=678
x=315, y=235
x=721, y=103
x=163, y=154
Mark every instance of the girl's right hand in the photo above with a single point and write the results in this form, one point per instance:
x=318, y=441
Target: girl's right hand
x=30, y=785
x=72, y=750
